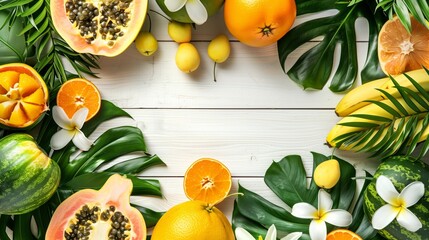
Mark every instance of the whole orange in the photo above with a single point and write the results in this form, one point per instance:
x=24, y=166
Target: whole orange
x=259, y=23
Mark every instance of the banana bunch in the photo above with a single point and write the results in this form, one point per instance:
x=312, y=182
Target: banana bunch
x=384, y=115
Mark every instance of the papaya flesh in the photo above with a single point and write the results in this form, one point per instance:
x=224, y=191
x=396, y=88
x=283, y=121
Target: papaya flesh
x=98, y=27
x=102, y=214
x=23, y=96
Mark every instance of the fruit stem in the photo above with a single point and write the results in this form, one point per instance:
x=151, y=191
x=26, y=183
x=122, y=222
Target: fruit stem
x=162, y=15
x=214, y=71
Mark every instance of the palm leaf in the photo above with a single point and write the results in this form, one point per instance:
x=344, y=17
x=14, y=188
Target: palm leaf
x=90, y=169
x=382, y=136
x=404, y=8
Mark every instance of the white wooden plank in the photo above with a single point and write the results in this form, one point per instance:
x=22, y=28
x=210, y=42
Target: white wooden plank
x=251, y=78
x=247, y=141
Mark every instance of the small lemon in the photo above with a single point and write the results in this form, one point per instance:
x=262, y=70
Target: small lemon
x=146, y=43
x=180, y=32
x=327, y=174
x=219, y=48
x=187, y=57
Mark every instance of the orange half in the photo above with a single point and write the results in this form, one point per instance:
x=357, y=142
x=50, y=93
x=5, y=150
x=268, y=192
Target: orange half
x=207, y=180
x=343, y=234
x=399, y=51
x=78, y=93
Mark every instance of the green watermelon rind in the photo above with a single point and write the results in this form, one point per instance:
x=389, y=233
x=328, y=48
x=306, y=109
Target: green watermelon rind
x=401, y=171
x=24, y=186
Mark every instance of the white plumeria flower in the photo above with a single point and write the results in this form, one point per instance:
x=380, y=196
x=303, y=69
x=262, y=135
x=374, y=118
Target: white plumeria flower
x=397, y=204
x=324, y=213
x=196, y=10
x=70, y=129
x=242, y=234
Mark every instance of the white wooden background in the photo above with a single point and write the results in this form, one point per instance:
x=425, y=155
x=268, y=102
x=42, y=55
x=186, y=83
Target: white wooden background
x=253, y=115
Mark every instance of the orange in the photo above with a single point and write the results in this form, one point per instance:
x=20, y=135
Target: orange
x=399, y=51
x=259, y=23
x=78, y=93
x=342, y=234
x=193, y=220
x=207, y=180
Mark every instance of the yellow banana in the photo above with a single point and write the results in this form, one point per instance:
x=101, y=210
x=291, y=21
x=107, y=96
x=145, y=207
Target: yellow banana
x=356, y=98
x=374, y=110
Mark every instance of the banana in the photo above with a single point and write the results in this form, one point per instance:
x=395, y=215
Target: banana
x=356, y=98
x=371, y=109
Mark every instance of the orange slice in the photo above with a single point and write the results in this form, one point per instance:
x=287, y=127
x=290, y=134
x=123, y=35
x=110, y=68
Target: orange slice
x=400, y=51
x=342, y=234
x=207, y=180
x=77, y=93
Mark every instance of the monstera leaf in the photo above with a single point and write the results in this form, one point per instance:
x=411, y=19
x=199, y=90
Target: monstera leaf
x=314, y=67
x=89, y=169
x=287, y=179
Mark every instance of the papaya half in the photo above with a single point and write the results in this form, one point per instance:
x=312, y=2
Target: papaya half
x=102, y=214
x=23, y=96
x=98, y=27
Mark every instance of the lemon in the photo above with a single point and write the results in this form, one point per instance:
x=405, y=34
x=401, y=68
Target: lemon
x=193, y=220
x=327, y=174
x=146, y=43
x=180, y=32
x=219, y=48
x=187, y=57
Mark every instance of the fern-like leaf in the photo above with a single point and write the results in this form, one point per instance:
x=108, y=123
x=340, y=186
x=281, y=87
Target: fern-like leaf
x=384, y=136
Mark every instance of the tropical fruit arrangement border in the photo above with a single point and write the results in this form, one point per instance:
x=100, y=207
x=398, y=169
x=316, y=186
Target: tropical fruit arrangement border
x=58, y=182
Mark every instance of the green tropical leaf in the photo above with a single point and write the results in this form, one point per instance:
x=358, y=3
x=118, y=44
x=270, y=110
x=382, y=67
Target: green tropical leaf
x=151, y=217
x=4, y=222
x=382, y=136
x=313, y=68
x=404, y=8
x=287, y=179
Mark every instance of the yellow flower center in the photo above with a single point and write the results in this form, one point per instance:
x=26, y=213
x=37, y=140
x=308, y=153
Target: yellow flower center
x=319, y=215
x=260, y=237
x=399, y=203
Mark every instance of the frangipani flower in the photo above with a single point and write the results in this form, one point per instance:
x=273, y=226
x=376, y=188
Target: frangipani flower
x=196, y=10
x=324, y=213
x=397, y=204
x=242, y=234
x=70, y=129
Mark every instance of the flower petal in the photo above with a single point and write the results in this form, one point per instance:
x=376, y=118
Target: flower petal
x=81, y=141
x=174, y=5
x=304, y=210
x=292, y=236
x=61, y=138
x=242, y=234
x=61, y=119
x=386, y=190
x=384, y=216
x=324, y=201
x=338, y=217
x=79, y=117
x=197, y=11
x=271, y=233
x=412, y=193
x=408, y=220
x=318, y=230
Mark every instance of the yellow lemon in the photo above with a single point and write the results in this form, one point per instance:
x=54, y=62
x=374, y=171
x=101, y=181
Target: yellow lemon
x=180, y=32
x=146, y=43
x=327, y=174
x=219, y=48
x=193, y=220
x=187, y=57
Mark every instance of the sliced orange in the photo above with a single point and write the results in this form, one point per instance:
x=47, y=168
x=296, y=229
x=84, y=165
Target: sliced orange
x=399, y=51
x=78, y=93
x=342, y=234
x=207, y=180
